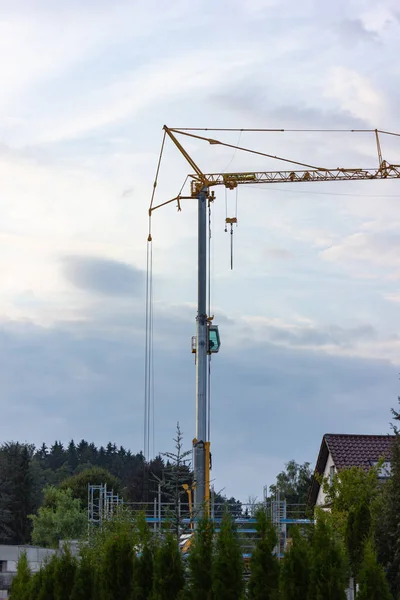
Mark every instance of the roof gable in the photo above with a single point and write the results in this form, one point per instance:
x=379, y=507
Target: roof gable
x=349, y=450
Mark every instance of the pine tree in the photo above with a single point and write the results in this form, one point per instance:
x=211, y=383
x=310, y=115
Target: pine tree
x=373, y=584
x=228, y=583
x=168, y=577
x=329, y=573
x=82, y=588
x=64, y=573
x=296, y=569
x=200, y=561
x=264, y=566
x=20, y=584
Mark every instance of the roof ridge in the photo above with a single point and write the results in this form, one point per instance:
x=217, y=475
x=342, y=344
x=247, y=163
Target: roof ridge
x=369, y=435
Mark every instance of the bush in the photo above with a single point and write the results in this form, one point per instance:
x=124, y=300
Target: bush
x=228, y=564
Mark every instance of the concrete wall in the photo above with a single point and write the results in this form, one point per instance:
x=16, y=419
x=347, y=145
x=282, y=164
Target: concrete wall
x=9, y=556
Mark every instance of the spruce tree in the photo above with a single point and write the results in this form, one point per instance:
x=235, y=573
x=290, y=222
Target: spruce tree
x=20, y=584
x=329, y=573
x=64, y=574
x=168, y=575
x=82, y=588
x=296, y=569
x=264, y=566
x=373, y=584
x=200, y=561
x=228, y=583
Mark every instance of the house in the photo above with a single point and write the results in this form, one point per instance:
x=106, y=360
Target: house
x=341, y=451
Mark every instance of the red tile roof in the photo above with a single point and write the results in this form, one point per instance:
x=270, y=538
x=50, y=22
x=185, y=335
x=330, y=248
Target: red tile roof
x=358, y=450
x=349, y=450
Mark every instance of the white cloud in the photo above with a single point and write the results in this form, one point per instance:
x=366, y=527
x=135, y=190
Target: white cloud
x=355, y=93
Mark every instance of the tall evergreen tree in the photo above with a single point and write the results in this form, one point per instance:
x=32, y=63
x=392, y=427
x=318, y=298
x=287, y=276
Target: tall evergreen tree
x=83, y=583
x=35, y=585
x=373, y=584
x=296, y=569
x=200, y=561
x=116, y=574
x=46, y=591
x=64, y=574
x=20, y=584
x=329, y=573
x=228, y=583
x=358, y=528
x=143, y=564
x=168, y=578
x=264, y=566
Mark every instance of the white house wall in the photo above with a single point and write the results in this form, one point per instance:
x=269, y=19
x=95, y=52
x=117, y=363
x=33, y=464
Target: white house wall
x=321, y=496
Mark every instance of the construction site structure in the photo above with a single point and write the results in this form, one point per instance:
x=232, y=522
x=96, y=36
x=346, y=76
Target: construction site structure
x=201, y=189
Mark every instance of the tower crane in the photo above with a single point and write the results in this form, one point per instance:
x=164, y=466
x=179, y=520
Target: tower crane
x=201, y=188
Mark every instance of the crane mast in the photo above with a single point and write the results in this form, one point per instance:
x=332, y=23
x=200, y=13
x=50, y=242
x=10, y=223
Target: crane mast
x=200, y=184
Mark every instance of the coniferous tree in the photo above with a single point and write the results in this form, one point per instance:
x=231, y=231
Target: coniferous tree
x=387, y=534
x=143, y=564
x=83, y=583
x=46, y=591
x=20, y=584
x=200, y=561
x=168, y=573
x=329, y=573
x=264, y=566
x=373, y=584
x=35, y=585
x=296, y=569
x=116, y=571
x=64, y=574
x=358, y=528
x=228, y=583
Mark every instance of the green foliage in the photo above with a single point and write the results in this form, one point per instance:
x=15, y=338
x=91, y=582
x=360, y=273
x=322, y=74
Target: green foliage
x=116, y=570
x=228, y=563
x=329, y=573
x=35, y=585
x=46, y=591
x=358, y=529
x=143, y=567
x=296, y=569
x=264, y=566
x=60, y=518
x=372, y=581
x=20, y=584
x=17, y=492
x=78, y=484
x=200, y=561
x=64, y=573
x=294, y=483
x=83, y=583
x=168, y=574
x=350, y=489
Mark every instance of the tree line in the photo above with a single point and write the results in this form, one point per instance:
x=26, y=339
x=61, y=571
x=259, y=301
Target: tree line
x=27, y=472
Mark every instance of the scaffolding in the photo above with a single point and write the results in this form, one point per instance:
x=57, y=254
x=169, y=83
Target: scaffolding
x=103, y=504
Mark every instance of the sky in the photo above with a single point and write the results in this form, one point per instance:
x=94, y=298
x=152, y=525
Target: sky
x=309, y=316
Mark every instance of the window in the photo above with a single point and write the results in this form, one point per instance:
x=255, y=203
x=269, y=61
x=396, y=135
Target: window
x=385, y=470
x=3, y=566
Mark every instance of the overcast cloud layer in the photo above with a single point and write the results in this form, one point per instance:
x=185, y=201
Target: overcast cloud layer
x=309, y=317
